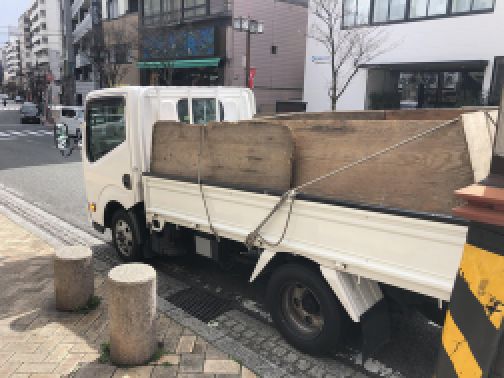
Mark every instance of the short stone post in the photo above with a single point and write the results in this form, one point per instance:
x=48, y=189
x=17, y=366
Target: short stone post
x=73, y=277
x=132, y=313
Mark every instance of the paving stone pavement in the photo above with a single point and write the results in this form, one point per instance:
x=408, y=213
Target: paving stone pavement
x=38, y=341
x=253, y=343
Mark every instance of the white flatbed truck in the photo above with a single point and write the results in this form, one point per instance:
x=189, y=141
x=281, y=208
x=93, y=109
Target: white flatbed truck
x=336, y=259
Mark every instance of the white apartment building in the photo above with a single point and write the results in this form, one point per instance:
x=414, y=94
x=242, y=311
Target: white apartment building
x=13, y=59
x=25, y=46
x=45, y=26
x=446, y=53
x=3, y=56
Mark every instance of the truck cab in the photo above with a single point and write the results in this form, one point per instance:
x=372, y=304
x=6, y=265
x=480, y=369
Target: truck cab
x=117, y=136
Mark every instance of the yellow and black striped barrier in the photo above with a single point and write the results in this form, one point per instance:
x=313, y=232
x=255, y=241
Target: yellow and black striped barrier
x=474, y=322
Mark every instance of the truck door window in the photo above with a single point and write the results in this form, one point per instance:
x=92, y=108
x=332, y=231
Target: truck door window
x=203, y=110
x=106, y=127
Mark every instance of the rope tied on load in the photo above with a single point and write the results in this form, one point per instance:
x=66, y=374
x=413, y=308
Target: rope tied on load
x=256, y=239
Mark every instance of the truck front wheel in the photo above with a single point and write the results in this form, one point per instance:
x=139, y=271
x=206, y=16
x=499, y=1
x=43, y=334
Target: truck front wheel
x=304, y=309
x=125, y=231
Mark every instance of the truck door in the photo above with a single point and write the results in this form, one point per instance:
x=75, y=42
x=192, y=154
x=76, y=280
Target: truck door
x=107, y=157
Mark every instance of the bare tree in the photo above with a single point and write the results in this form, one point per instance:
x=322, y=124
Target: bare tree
x=112, y=49
x=348, y=48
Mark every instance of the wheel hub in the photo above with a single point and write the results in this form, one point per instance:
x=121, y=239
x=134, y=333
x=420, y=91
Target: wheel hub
x=302, y=310
x=310, y=304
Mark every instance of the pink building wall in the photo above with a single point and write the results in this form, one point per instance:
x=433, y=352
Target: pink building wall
x=279, y=76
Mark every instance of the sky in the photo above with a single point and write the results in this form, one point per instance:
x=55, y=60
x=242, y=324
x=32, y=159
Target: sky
x=10, y=10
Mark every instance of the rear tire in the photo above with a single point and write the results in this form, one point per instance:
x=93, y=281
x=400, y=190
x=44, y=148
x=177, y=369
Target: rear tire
x=125, y=231
x=305, y=309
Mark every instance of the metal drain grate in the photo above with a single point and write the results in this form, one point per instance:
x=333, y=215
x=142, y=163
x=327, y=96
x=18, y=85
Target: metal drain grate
x=201, y=304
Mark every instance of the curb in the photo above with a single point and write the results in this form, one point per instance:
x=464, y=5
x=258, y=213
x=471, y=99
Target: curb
x=58, y=233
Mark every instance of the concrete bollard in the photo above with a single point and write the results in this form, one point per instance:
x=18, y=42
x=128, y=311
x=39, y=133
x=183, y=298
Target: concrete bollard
x=132, y=313
x=73, y=277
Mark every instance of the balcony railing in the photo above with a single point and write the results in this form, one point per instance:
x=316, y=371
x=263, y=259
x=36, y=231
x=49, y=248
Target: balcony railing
x=212, y=9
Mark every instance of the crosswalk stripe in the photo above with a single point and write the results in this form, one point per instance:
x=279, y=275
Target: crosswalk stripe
x=12, y=134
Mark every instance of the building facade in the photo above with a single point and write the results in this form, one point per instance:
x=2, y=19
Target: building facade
x=120, y=33
x=443, y=54
x=192, y=42
x=79, y=19
x=46, y=43
x=26, y=56
x=13, y=64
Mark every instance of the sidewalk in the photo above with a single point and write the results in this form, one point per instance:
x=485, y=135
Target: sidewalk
x=38, y=341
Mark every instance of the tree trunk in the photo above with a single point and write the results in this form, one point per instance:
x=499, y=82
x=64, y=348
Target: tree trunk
x=334, y=83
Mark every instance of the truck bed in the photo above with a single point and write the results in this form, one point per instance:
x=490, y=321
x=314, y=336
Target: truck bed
x=420, y=255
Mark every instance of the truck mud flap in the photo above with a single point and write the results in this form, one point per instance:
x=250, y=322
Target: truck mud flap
x=356, y=294
x=376, y=330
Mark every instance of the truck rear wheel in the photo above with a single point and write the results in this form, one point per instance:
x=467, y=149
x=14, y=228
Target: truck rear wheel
x=304, y=309
x=125, y=231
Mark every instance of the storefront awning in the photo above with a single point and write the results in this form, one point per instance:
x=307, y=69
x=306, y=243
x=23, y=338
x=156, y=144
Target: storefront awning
x=181, y=63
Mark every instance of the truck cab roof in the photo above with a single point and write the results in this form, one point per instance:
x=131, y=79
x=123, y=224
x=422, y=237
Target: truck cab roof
x=241, y=102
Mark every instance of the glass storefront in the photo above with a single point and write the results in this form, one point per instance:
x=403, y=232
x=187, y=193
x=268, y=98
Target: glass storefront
x=440, y=89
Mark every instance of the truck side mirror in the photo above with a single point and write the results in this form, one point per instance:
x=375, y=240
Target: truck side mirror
x=62, y=139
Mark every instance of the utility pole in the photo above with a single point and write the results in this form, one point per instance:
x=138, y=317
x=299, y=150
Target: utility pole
x=247, y=61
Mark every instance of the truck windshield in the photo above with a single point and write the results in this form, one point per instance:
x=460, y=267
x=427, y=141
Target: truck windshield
x=105, y=125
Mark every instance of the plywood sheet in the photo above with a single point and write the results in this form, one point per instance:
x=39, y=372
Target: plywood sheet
x=419, y=177
x=250, y=156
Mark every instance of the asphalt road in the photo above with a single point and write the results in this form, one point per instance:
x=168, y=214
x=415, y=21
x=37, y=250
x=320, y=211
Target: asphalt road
x=31, y=166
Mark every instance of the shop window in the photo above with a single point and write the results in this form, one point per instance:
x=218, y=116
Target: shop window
x=462, y=6
x=356, y=12
x=171, y=9
x=482, y=4
x=440, y=89
x=113, y=9
x=132, y=6
x=195, y=8
x=424, y=8
x=389, y=10
x=497, y=82
x=151, y=7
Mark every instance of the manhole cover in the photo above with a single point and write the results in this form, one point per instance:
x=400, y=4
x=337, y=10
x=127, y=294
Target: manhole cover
x=201, y=304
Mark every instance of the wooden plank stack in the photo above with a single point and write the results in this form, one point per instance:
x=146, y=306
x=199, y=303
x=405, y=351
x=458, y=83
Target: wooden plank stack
x=277, y=154
x=419, y=177
x=251, y=156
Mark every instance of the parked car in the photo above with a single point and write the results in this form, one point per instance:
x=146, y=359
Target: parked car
x=29, y=113
x=18, y=100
